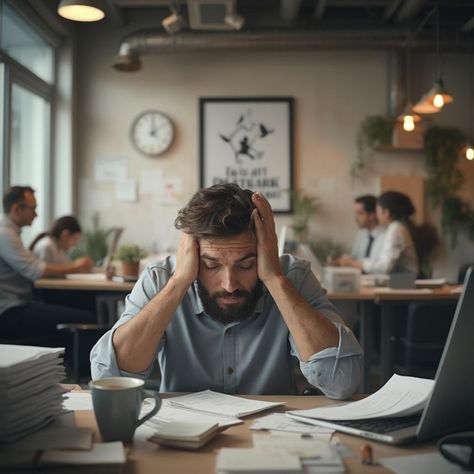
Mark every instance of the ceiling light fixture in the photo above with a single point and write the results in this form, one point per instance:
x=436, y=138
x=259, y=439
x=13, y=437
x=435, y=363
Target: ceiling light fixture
x=408, y=117
x=469, y=148
x=438, y=95
x=81, y=10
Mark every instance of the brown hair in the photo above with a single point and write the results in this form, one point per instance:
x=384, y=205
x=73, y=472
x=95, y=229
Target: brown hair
x=13, y=195
x=69, y=223
x=218, y=211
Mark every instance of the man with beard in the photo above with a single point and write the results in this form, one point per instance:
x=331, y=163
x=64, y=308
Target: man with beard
x=227, y=313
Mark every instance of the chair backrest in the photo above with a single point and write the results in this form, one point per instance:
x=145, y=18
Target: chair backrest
x=429, y=321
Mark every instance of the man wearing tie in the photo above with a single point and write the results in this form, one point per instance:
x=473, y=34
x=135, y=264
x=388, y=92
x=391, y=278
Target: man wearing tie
x=369, y=239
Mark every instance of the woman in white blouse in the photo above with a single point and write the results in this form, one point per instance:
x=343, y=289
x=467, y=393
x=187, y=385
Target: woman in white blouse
x=51, y=246
x=398, y=253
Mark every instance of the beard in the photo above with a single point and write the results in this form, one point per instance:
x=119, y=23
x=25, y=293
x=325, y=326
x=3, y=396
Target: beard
x=229, y=313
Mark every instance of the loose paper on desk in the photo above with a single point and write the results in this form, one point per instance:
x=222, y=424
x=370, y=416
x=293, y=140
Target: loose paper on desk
x=101, y=453
x=400, y=396
x=280, y=422
x=222, y=404
x=295, y=444
x=256, y=460
x=405, y=291
x=169, y=413
x=433, y=463
x=78, y=401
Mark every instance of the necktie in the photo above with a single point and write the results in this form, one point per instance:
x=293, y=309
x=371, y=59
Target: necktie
x=369, y=245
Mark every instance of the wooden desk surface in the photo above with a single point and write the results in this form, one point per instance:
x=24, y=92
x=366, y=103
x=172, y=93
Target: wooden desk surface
x=148, y=458
x=89, y=285
x=379, y=294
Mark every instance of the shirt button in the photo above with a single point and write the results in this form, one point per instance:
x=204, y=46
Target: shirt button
x=230, y=370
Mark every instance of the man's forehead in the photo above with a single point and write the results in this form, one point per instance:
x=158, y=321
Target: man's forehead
x=243, y=243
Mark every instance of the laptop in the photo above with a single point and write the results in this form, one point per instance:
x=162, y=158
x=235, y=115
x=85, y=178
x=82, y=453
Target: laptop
x=99, y=273
x=450, y=406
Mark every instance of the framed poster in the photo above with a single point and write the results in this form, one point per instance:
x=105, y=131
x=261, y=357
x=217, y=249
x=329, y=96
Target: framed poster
x=249, y=141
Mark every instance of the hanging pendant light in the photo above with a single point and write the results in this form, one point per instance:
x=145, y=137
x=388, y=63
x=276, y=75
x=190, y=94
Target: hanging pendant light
x=424, y=106
x=438, y=95
x=469, y=148
x=81, y=10
x=408, y=117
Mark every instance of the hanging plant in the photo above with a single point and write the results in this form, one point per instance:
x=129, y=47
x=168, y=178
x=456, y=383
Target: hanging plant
x=375, y=130
x=445, y=180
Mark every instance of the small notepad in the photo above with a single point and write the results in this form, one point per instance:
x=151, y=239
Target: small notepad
x=188, y=435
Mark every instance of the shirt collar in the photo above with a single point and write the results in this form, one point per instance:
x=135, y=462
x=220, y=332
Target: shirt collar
x=199, y=308
x=6, y=221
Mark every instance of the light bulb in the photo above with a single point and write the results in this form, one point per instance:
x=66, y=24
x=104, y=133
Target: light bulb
x=438, y=101
x=81, y=13
x=470, y=153
x=408, y=123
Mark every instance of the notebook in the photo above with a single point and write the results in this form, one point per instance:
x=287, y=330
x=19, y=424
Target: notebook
x=449, y=406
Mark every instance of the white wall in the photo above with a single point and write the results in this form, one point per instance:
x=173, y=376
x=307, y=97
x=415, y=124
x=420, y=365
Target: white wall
x=333, y=92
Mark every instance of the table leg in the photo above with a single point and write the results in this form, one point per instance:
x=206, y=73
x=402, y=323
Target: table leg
x=366, y=338
x=386, y=345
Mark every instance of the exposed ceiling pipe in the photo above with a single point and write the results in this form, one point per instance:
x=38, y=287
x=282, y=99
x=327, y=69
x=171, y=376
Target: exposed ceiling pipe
x=319, y=9
x=396, y=72
x=156, y=42
x=289, y=9
x=409, y=10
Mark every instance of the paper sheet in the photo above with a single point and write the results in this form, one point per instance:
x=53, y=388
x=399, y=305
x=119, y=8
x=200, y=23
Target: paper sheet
x=400, y=396
x=110, y=169
x=302, y=447
x=78, y=401
x=241, y=460
x=126, y=190
x=169, y=413
x=150, y=181
x=433, y=463
x=222, y=404
x=280, y=422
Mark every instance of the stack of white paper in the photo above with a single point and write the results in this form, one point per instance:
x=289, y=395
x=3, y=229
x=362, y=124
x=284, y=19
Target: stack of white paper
x=30, y=394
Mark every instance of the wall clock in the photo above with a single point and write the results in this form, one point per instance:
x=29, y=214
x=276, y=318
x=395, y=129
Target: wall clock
x=152, y=133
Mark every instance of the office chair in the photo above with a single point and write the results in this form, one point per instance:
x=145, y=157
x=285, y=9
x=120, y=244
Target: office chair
x=418, y=353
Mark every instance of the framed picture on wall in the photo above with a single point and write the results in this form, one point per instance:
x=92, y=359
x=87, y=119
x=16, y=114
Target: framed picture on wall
x=249, y=141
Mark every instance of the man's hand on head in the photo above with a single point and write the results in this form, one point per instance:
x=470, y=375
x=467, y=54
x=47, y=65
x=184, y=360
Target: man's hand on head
x=268, y=262
x=187, y=259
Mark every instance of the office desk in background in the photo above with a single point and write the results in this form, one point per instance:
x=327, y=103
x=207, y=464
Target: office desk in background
x=148, y=458
x=100, y=297
x=387, y=299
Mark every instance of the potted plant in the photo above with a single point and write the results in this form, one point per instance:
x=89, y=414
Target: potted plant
x=374, y=130
x=304, y=207
x=130, y=256
x=93, y=243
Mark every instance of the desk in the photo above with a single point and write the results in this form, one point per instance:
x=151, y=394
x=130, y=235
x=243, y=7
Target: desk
x=98, y=296
x=148, y=458
x=369, y=297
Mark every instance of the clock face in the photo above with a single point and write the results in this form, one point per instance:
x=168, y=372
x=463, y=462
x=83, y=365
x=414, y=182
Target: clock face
x=152, y=133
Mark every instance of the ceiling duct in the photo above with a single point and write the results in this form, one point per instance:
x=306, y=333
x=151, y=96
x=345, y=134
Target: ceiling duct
x=156, y=42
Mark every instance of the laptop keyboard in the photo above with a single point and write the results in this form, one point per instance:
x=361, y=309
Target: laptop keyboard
x=382, y=425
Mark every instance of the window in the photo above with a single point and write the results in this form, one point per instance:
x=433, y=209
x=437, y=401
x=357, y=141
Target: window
x=29, y=151
x=27, y=85
x=20, y=41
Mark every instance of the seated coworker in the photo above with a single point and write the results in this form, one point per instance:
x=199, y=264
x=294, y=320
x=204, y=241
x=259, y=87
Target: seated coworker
x=20, y=315
x=398, y=253
x=51, y=246
x=227, y=313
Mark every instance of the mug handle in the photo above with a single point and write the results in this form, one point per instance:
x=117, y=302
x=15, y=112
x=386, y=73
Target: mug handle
x=155, y=408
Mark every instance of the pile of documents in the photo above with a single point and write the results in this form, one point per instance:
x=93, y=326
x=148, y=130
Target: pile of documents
x=281, y=453
x=30, y=394
x=190, y=421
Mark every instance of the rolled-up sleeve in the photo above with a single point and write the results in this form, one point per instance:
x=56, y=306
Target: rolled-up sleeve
x=103, y=358
x=336, y=371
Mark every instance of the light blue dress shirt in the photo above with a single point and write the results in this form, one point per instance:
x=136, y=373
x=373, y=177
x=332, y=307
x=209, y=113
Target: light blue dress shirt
x=254, y=356
x=18, y=267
